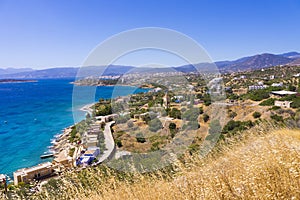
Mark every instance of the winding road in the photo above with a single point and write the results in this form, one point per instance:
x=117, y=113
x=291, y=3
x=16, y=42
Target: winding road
x=109, y=144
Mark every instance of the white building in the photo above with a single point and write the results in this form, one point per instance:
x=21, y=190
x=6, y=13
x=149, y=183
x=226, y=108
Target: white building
x=158, y=89
x=92, y=151
x=283, y=93
x=283, y=104
x=36, y=172
x=297, y=75
x=257, y=87
x=277, y=84
x=260, y=83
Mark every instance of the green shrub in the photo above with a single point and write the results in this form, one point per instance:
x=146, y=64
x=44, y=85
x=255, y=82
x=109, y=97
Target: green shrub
x=119, y=143
x=232, y=115
x=206, y=98
x=122, y=119
x=277, y=118
x=175, y=113
x=140, y=138
x=155, y=146
x=258, y=95
x=130, y=124
x=193, y=148
x=235, y=126
x=205, y=117
x=215, y=127
x=173, y=129
x=155, y=125
x=191, y=114
x=295, y=103
x=256, y=115
x=275, y=108
x=71, y=152
x=268, y=102
x=193, y=125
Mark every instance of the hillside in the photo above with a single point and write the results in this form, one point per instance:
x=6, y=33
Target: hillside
x=45, y=73
x=14, y=70
x=243, y=64
x=256, y=62
x=70, y=72
x=255, y=165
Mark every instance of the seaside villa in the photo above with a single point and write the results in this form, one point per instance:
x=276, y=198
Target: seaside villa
x=33, y=173
x=87, y=158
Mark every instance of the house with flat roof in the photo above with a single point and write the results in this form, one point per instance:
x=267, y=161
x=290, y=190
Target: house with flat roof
x=90, y=140
x=283, y=104
x=277, y=84
x=88, y=157
x=283, y=93
x=63, y=159
x=33, y=173
x=92, y=151
x=257, y=87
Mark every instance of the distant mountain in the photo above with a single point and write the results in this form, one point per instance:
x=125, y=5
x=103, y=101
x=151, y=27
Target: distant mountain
x=111, y=70
x=243, y=64
x=200, y=67
x=246, y=63
x=255, y=62
x=45, y=73
x=295, y=62
x=70, y=72
x=14, y=70
x=291, y=55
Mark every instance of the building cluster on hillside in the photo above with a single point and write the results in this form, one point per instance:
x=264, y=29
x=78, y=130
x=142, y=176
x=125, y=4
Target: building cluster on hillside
x=85, y=155
x=91, y=144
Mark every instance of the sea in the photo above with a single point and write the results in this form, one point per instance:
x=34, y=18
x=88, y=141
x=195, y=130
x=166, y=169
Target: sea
x=33, y=113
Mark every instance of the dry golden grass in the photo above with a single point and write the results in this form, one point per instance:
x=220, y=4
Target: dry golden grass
x=250, y=166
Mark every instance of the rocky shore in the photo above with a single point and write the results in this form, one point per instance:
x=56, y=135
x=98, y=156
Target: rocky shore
x=61, y=141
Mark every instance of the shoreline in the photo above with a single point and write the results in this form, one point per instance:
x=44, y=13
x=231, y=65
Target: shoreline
x=60, y=141
x=60, y=138
x=111, y=85
x=65, y=132
x=87, y=108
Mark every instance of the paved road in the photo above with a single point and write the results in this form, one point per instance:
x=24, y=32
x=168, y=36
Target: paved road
x=109, y=143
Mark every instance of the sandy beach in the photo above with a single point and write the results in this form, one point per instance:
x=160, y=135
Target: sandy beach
x=87, y=108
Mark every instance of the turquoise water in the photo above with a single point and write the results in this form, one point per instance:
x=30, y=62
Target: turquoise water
x=31, y=114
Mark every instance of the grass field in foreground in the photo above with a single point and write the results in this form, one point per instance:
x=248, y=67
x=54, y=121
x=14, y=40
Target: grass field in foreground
x=252, y=165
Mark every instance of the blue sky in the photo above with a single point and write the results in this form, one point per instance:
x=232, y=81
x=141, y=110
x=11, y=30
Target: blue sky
x=49, y=33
